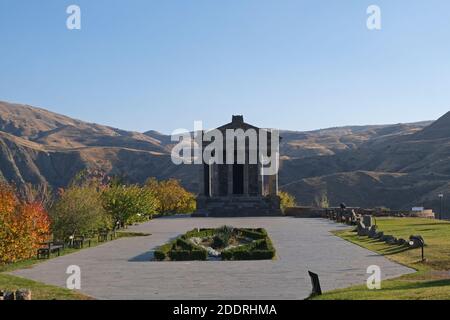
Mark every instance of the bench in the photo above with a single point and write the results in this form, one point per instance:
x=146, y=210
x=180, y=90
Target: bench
x=50, y=247
x=79, y=241
x=104, y=234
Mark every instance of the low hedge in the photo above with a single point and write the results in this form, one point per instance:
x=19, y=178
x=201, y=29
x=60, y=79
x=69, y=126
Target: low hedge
x=188, y=255
x=255, y=234
x=199, y=233
x=257, y=250
x=180, y=250
x=161, y=253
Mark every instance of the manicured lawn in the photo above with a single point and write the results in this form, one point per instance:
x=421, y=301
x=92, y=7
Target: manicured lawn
x=42, y=291
x=432, y=279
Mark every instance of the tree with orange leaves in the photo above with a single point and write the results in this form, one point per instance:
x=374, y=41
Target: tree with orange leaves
x=23, y=226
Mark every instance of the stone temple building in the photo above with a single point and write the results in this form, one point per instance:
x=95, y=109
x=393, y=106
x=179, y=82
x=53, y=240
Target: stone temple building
x=238, y=189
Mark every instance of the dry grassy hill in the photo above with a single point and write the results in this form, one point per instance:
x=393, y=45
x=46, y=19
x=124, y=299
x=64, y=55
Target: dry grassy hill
x=396, y=166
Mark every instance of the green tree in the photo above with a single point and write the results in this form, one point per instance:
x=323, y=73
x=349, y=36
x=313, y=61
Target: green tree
x=78, y=210
x=172, y=197
x=287, y=200
x=129, y=204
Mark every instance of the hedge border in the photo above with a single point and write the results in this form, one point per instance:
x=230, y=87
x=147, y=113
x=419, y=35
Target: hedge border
x=180, y=249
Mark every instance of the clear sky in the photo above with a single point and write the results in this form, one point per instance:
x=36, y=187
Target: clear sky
x=289, y=64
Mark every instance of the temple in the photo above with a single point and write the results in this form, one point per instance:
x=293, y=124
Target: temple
x=242, y=188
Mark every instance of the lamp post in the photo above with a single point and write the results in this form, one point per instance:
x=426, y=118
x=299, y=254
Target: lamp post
x=441, y=197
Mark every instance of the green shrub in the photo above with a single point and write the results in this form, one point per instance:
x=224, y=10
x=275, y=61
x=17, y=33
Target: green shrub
x=181, y=249
x=183, y=244
x=161, y=253
x=188, y=255
x=219, y=242
x=254, y=234
x=257, y=250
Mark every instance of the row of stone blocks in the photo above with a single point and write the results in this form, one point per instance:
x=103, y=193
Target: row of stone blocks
x=371, y=231
x=21, y=294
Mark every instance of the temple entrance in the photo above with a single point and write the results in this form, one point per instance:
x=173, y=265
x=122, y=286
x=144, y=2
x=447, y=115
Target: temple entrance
x=238, y=178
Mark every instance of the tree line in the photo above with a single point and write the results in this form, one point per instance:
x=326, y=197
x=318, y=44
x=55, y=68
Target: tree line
x=91, y=202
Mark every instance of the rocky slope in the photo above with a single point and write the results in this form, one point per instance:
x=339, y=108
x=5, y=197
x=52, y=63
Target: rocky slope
x=396, y=166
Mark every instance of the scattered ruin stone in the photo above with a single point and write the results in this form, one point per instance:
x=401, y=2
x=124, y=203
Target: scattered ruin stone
x=361, y=229
x=391, y=240
x=23, y=294
x=368, y=221
x=8, y=295
x=385, y=237
x=379, y=235
x=372, y=232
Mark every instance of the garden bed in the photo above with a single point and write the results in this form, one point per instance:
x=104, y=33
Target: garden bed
x=224, y=243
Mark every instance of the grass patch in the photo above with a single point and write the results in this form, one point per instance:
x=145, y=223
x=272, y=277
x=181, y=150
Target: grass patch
x=39, y=291
x=432, y=279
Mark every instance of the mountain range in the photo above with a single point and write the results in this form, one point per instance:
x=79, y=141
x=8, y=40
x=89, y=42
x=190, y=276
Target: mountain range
x=396, y=166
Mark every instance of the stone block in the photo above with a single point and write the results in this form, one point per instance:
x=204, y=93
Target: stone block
x=368, y=221
x=23, y=294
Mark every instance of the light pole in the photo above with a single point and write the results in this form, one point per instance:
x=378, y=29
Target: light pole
x=441, y=197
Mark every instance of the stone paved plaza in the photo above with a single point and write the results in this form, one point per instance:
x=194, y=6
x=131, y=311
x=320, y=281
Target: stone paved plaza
x=122, y=269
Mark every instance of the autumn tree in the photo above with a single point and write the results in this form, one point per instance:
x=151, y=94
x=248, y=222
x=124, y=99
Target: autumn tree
x=172, y=197
x=23, y=226
x=287, y=200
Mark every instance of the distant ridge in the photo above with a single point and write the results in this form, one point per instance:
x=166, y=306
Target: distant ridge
x=397, y=166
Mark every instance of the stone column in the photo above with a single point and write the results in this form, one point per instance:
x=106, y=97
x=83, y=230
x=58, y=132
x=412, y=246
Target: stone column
x=273, y=185
x=246, y=179
x=215, y=180
x=230, y=179
x=261, y=179
x=201, y=182
x=210, y=180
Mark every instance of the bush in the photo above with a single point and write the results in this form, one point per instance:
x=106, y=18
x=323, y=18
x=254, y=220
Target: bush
x=257, y=250
x=286, y=200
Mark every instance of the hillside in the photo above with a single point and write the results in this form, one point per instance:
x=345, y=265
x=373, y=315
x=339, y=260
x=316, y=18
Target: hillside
x=397, y=166
x=41, y=147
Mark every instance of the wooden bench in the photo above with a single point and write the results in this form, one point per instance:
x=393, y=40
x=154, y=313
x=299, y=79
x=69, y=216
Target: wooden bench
x=104, y=234
x=79, y=241
x=50, y=247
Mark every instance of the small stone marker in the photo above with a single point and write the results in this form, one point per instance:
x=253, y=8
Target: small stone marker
x=368, y=221
x=8, y=295
x=23, y=294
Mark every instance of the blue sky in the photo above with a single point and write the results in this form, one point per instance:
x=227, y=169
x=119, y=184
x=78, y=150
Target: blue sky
x=290, y=64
